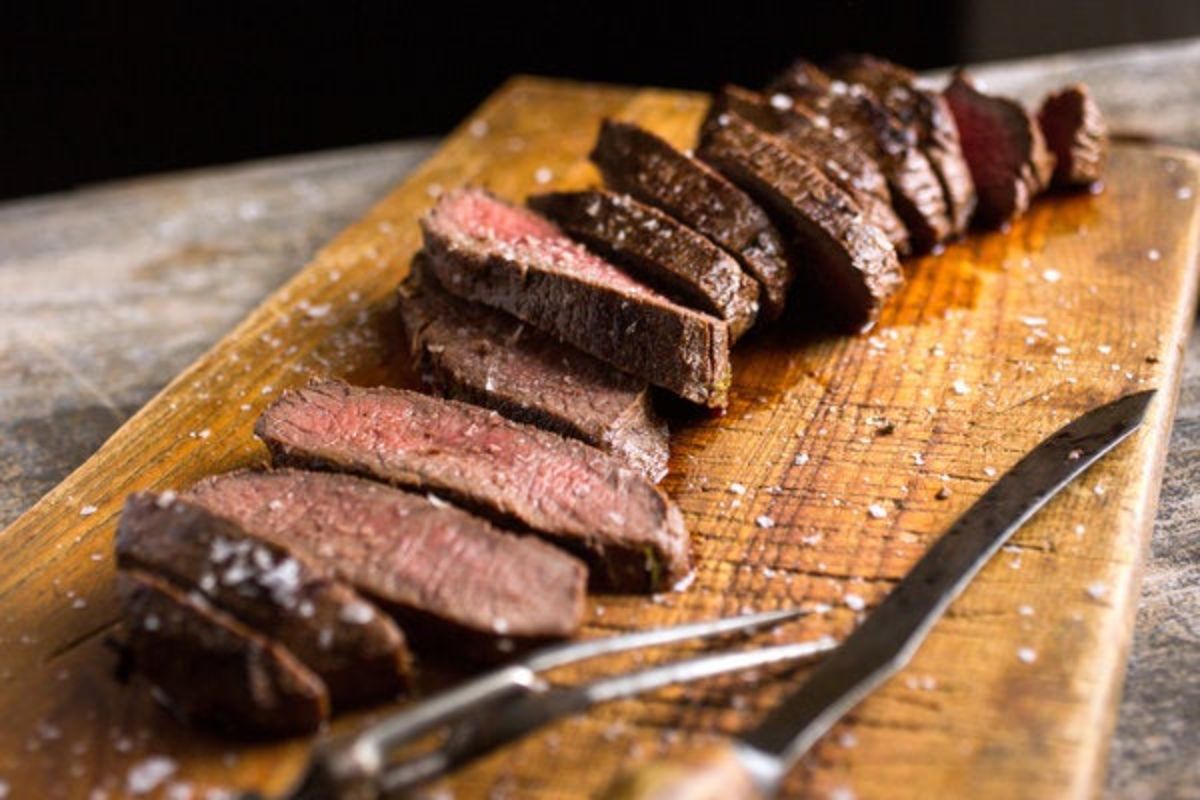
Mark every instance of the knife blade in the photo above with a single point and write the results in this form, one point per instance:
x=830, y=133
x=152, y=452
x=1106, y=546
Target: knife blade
x=755, y=764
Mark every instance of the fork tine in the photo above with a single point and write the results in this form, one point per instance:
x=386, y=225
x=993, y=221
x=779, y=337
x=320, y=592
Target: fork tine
x=572, y=652
x=532, y=711
x=694, y=669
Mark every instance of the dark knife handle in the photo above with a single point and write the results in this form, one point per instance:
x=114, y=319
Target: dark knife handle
x=714, y=773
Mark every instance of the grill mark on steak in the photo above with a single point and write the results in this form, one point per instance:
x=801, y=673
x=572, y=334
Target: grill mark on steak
x=849, y=260
x=508, y=257
x=563, y=489
x=926, y=116
x=857, y=114
x=213, y=670
x=635, y=161
x=658, y=249
x=272, y=588
x=1077, y=135
x=470, y=352
x=1004, y=148
x=453, y=573
x=810, y=134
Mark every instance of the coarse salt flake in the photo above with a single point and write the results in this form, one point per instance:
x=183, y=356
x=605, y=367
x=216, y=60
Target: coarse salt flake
x=737, y=488
x=359, y=613
x=148, y=774
x=854, y=602
x=1051, y=276
x=1025, y=610
x=543, y=175
x=763, y=521
x=1097, y=590
x=800, y=460
x=1153, y=254
x=1027, y=654
x=87, y=511
x=877, y=511
x=960, y=387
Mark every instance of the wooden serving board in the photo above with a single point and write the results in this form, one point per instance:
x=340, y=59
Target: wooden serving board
x=992, y=345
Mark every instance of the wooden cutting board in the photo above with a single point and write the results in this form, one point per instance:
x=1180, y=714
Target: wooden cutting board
x=820, y=484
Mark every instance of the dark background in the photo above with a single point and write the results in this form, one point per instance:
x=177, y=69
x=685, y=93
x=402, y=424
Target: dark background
x=98, y=91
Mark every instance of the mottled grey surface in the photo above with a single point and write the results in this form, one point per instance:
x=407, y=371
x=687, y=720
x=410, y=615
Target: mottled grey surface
x=107, y=293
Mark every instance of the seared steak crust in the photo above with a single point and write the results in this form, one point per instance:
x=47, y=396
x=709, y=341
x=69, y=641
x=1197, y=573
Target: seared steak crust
x=635, y=161
x=483, y=249
x=212, y=669
x=658, y=249
x=470, y=352
x=1076, y=133
x=849, y=260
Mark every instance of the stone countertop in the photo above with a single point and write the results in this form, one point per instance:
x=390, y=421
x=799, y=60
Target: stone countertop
x=108, y=292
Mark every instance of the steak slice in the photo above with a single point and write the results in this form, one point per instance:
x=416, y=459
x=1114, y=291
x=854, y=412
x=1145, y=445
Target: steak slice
x=1076, y=133
x=635, y=161
x=212, y=669
x=658, y=249
x=842, y=161
x=1004, y=148
x=849, y=260
x=574, y=494
x=473, y=353
x=925, y=114
x=858, y=115
x=450, y=572
x=276, y=590
x=510, y=258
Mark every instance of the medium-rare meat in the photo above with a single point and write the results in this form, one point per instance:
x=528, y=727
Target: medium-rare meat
x=848, y=260
x=842, y=161
x=448, y=574
x=855, y=113
x=658, y=249
x=276, y=590
x=636, y=161
x=1076, y=134
x=213, y=670
x=1004, y=148
x=470, y=352
x=570, y=492
x=925, y=114
x=510, y=258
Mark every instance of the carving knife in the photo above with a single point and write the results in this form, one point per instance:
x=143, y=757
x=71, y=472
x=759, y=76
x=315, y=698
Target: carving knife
x=755, y=764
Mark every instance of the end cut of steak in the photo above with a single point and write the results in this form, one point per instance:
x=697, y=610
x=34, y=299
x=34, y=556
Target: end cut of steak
x=859, y=115
x=658, y=249
x=474, y=353
x=449, y=572
x=810, y=134
x=635, y=161
x=212, y=669
x=573, y=494
x=1005, y=150
x=1076, y=133
x=925, y=114
x=277, y=591
x=849, y=260
x=486, y=250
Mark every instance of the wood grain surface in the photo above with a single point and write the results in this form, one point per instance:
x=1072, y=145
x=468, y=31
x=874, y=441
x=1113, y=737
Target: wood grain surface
x=993, y=344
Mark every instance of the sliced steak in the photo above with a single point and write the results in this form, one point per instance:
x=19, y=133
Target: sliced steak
x=855, y=113
x=574, y=494
x=486, y=250
x=926, y=116
x=1076, y=133
x=450, y=572
x=849, y=260
x=635, y=161
x=276, y=590
x=658, y=249
x=1004, y=148
x=212, y=669
x=474, y=353
x=842, y=161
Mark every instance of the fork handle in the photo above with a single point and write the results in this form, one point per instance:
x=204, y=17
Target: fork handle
x=714, y=773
